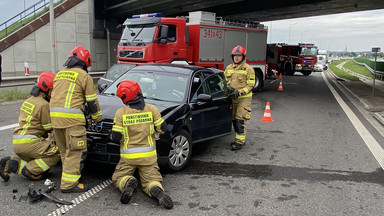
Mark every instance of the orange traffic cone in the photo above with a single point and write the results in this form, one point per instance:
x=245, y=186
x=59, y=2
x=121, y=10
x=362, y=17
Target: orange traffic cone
x=267, y=114
x=280, y=86
x=280, y=77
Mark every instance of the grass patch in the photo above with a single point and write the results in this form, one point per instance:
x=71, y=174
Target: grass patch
x=341, y=73
x=12, y=95
x=360, y=69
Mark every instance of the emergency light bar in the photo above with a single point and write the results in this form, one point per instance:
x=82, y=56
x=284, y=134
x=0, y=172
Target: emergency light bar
x=305, y=44
x=147, y=15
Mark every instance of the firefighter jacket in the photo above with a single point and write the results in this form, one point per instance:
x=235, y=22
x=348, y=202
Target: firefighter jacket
x=34, y=120
x=241, y=78
x=138, y=145
x=71, y=89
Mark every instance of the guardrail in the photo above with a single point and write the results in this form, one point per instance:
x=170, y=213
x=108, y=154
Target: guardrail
x=30, y=80
x=379, y=74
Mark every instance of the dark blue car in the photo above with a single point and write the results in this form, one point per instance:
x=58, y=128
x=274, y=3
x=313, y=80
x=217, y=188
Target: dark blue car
x=192, y=100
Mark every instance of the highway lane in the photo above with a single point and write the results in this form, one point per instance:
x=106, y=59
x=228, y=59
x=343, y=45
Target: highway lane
x=310, y=161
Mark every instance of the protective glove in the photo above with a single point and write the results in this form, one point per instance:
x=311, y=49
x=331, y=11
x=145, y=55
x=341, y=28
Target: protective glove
x=233, y=94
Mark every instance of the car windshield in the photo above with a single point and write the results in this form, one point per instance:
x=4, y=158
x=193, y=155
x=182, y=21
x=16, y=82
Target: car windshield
x=138, y=35
x=156, y=85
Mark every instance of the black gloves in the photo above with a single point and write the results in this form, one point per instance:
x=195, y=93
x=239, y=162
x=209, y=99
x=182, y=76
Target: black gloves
x=233, y=93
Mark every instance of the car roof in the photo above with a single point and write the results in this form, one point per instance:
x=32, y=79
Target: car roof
x=172, y=68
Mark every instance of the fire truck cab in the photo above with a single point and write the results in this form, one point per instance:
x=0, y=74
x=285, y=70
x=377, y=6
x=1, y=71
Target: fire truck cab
x=199, y=39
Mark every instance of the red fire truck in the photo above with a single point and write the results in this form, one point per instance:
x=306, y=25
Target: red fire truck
x=200, y=39
x=288, y=59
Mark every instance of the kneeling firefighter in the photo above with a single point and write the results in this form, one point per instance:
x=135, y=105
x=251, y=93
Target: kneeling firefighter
x=32, y=141
x=134, y=128
x=240, y=81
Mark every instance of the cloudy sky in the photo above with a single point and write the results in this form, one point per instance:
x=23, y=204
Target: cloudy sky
x=358, y=31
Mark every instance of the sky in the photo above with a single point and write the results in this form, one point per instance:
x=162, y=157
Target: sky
x=354, y=32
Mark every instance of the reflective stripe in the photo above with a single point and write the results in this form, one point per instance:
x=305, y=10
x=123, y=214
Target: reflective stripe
x=61, y=112
x=246, y=95
x=94, y=116
x=159, y=122
x=151, y=131
x=47, y=126
x=117, y=128
x=252, y=77
x=70, y=177
x=21, y=166
x=91, y=97
x=121, y=187
x=245, y=90
x=139, y=155
x=42, y=164
x=126, y=137
x=20, y=139
x=27, y=124
x=231, y=71
x=137, y=150
x=240, y=137
x=250, y=81
x=68, y=99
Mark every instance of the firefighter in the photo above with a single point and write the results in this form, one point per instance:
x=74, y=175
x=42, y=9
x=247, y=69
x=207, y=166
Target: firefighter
x=134, y=128
x=73, y=91
x=240, y=81
x=32, y=141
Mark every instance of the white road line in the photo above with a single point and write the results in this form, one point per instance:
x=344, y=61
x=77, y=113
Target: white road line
x=63, y=209
x=8, y=126
x=369, y=140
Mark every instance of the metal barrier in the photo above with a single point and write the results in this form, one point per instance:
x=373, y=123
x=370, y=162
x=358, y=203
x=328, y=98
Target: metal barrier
x=30, y=80
x=379, y=74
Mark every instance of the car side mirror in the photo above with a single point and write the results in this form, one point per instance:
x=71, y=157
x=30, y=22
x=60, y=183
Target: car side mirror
x=204, y=98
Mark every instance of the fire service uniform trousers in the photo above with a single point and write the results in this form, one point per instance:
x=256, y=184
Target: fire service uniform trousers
x=38, y=156
x=149, y=175
x=72, y=143
x=241, y=111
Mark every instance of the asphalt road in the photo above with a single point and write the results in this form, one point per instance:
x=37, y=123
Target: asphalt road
x=313, y=159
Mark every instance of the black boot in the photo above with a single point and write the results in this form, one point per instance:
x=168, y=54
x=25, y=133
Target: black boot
x=236, y=146
x=162, y=197
x=130, y=187
x=4, y=166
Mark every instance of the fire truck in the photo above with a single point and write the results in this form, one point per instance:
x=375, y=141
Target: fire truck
x=200, y=39
x=288, y=59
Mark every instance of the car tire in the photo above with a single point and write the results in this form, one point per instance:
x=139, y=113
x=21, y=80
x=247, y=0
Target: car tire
x=180, y=152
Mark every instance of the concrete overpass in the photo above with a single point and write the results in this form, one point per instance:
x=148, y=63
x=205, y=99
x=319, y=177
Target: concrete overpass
x=92, y=23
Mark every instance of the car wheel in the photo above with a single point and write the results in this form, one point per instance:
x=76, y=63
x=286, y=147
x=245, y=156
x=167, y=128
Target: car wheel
x=181, y=151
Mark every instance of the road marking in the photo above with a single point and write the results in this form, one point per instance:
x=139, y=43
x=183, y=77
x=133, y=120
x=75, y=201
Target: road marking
x=369, y=140
x=63, y=209
x=9, y=126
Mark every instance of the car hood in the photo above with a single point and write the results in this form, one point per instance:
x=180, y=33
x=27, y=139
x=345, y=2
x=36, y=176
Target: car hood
x=109, y=104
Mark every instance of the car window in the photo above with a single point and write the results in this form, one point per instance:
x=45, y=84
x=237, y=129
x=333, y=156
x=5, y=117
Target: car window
x=213, y=85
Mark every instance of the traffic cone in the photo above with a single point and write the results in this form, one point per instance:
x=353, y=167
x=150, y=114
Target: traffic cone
x=267, y=114
x=280, y=86
x=280, y=77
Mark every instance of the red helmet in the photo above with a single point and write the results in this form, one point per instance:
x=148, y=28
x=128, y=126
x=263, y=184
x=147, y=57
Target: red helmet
x=45, y=81
x=127, y=90
x=83, y=54
x=239, y=50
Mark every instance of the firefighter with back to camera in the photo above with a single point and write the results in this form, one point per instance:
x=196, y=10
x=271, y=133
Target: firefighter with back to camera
x=32, y=140
x=240, y=81
x=134, y=128
x=73, y=91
